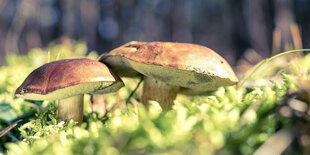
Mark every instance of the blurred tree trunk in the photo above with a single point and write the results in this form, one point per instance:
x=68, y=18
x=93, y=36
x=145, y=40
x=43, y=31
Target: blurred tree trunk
x=302, y=15
x=288, y=36
x=89, y=21
x=180, y=22
x=257, y=25
x=237, y=28
x=69, y=18
x=24, y=12
x=2, y=40
x=3, y=28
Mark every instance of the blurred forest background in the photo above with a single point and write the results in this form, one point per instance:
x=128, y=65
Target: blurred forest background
x=230, y=27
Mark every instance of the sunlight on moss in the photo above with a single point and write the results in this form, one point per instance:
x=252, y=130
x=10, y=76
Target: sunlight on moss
x=230, y=120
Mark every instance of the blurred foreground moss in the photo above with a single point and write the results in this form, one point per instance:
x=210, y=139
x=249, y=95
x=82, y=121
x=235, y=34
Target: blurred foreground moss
x=230, y=121
x=207, y=125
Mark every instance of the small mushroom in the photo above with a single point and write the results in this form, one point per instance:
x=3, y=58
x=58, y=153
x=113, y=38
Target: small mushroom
x=170, y=68
x=67, y=81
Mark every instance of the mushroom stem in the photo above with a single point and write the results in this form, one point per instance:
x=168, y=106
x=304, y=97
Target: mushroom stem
x=71, y=108
x=159, y=91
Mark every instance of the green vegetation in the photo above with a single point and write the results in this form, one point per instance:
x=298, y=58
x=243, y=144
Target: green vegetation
x=232, y=120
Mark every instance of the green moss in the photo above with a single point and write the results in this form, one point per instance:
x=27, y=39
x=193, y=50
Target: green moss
x=232, y=120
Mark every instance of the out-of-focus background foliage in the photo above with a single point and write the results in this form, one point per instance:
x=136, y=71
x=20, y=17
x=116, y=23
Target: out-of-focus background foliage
x=230, y=27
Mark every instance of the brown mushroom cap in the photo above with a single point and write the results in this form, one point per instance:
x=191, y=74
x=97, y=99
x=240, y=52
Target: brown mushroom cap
x=195, y=68
x=65, y=78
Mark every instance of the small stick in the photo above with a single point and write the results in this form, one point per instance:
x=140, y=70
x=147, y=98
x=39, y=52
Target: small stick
x=9, y=128
x=48, y=57
x=295, y=32
x=131, y=94
x=57, y=56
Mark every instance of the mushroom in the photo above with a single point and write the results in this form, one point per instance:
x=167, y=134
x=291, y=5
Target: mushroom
x=170, y=68
x=67, y=81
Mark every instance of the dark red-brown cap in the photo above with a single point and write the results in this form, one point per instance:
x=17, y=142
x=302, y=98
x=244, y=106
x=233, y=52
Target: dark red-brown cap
x=69, y=77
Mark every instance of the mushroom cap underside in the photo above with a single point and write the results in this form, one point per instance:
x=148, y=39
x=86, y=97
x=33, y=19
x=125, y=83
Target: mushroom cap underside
x=69, y=77
x=180, y=64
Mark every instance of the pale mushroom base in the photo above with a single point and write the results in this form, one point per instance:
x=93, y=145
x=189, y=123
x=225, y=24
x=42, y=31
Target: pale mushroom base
x=158, y=91
x=71, y=109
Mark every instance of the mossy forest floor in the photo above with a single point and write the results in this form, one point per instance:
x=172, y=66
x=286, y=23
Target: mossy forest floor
x=269, y=113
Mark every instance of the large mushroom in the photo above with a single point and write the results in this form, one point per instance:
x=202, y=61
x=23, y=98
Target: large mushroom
x=67, y=81
x=170, y=68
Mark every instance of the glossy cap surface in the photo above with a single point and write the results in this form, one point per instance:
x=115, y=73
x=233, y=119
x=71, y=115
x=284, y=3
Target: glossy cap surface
x=69, y=77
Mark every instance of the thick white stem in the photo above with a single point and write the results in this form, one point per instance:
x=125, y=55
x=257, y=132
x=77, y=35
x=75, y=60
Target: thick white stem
x=71, y=108
x=159, y=91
